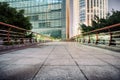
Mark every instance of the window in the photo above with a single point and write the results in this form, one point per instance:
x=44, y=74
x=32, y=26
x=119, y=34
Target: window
x=44, y=25
x=34, y=18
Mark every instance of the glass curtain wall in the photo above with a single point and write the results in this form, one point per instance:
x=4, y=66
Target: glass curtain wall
x=46, y=16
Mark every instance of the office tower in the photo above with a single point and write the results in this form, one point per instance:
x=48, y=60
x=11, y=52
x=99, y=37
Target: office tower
x=90, y=8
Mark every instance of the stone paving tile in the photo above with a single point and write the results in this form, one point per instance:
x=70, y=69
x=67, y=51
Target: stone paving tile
x=60, y=62
x=88, y=62
x=19, y=55
x=59, y=56
x=116, y=55
x=118, y=67
x=76, y=56
x=34, y=51
x=101, y=72
x=7, y=61
x=18, y=72
x=105, y=56
x=32, y=61
x=3, y=65
x=86, y=57
x=113, y=61
x=92, y=50
x=60, y=73
x=40, y=56
x=57, y=53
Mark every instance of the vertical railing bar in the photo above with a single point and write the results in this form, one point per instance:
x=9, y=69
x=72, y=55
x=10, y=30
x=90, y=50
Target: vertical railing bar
x=8, y=35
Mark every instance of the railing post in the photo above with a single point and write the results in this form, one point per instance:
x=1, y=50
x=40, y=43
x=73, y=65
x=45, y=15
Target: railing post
x=88, y=38
x=96, y=38
x=30, y=40
x=8, y=35
x=83, y=39
x=77, y=39
x=110, y=41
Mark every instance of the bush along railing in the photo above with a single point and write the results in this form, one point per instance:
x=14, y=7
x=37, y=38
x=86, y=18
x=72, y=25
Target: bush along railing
x=14, y=36
x=109, y=35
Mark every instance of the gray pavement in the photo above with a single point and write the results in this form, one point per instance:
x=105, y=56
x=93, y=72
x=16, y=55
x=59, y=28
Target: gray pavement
x=60, y=61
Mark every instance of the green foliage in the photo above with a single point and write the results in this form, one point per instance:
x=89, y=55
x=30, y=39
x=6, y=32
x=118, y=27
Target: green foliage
x=30, y=35
x=85, y=28
x=97, y=23
x=114, y=18
x=14, y=17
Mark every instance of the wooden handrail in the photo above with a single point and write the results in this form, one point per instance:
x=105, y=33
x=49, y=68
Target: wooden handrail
x=97, y=30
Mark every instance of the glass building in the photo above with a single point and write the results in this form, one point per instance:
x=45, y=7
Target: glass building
x=48, y=17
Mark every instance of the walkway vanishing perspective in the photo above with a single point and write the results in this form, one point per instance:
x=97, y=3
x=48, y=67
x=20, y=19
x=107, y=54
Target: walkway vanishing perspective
x=60, y=61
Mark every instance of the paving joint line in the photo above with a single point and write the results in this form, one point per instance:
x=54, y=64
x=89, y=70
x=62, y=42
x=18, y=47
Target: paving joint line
x=108, y=63
x=42, y=64
x=77, y=64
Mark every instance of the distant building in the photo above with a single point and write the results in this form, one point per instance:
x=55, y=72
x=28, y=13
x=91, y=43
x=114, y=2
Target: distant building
x=90, y=8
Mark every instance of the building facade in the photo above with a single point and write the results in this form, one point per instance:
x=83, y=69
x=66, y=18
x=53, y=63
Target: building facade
x=47, y=17
x=74, y=17
x=90, y=8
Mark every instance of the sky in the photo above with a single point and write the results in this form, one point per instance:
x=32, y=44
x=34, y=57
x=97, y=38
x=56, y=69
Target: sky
x=114, y=4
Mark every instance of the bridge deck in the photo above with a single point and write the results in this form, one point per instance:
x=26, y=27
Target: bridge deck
x=60, y=61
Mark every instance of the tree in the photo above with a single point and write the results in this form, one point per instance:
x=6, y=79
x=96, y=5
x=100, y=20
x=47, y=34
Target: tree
x=85, y=28
x=111, y=19
x=97, y=23
x=114, y=18
x=14, y=17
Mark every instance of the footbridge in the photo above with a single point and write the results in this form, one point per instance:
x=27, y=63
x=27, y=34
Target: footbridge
x=26, y=58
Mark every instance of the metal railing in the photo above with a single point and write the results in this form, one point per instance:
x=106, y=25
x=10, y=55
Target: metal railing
x=12, y=36
x=109, y=35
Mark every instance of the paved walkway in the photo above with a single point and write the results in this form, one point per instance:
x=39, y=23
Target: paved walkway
x=60, y=61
